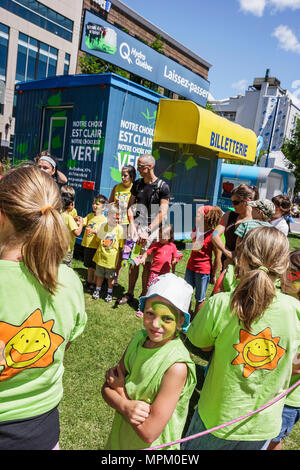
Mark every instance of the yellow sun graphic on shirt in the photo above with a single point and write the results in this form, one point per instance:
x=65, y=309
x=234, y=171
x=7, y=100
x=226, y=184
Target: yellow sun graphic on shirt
x=32, y=344
x=260, y=351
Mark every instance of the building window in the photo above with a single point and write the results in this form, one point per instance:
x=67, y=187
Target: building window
x=66, y=64
x=35, y=59
x=4, y=32
x=40, y=15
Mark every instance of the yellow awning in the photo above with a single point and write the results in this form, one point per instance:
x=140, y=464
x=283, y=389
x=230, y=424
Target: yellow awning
x=184, y=122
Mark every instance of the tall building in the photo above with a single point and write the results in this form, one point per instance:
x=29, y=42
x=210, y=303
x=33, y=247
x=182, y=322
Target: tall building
x=38, y=39
x=266, y=108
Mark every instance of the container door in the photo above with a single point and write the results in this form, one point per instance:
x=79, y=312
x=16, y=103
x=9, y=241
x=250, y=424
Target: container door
x=55, y=133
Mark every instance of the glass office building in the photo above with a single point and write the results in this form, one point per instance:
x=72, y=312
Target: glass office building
x=40, y=15
x=38, y=39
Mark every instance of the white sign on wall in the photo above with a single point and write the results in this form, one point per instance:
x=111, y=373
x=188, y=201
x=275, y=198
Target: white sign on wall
x=103, y=4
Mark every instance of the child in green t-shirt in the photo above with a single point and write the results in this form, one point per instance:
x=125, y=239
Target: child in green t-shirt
x=151, y=386
x=291, y=410
x=42, y=309
x=254, y=333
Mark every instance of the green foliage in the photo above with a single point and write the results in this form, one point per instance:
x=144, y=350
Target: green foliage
x=158, y=44
x=91, y=64
x=291, y=151
x=209, y=107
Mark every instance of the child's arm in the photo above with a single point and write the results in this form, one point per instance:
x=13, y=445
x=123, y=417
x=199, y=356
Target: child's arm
x=164, y=404
x=79, y=222
x=114, y=393
x=216, y=236
x=216, y=266
x=296, y=365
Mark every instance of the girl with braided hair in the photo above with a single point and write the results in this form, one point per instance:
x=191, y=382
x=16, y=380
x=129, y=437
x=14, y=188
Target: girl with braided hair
x=201, y=270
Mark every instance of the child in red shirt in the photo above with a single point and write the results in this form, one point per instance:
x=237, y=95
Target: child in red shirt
x=164, y=255
x=200, y=270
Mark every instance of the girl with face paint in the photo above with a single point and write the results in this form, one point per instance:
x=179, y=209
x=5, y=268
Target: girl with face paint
x=151, y=385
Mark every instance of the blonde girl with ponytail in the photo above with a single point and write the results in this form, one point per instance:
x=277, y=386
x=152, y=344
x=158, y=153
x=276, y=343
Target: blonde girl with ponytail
x=42, y=309
x=254, y=335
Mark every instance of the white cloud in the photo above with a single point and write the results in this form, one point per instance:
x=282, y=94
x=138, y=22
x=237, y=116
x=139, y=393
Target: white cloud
x=240, y=86
x=287, y=39
x=253, y=6
x=257, y=7
x=282, y=4
x=294, y=97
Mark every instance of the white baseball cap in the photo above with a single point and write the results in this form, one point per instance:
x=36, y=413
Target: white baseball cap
x=174, y=289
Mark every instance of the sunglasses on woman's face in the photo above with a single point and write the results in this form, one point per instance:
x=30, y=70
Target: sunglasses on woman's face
x=236, y=203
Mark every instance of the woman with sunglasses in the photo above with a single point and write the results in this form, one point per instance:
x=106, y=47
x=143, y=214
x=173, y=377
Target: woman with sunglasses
x=240, y=196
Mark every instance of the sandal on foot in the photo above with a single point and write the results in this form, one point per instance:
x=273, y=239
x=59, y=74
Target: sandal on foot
x=126, y=298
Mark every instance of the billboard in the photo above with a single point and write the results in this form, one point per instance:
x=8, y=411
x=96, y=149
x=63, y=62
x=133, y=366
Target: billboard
x=109, y=43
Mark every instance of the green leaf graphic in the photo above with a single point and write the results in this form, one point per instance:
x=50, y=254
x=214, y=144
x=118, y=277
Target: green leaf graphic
x=169, y=175
x=115, y=174
x=71, y=163
x=190, y=163
x=22, y=147
x=55, y=99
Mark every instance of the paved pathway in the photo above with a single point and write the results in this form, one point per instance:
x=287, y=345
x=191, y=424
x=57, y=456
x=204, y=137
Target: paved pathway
x=295, y=226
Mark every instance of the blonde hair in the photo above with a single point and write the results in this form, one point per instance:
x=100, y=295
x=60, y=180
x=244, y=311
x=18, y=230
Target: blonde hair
x=31, y=201
x=66, y=189
x=263, y=256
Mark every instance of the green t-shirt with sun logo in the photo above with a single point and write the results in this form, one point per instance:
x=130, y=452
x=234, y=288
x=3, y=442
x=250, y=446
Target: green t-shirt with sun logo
x=248, y=369
x=35, y=328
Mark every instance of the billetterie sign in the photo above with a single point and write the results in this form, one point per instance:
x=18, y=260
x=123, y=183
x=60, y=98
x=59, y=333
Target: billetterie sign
x=226, y=144
x=103, y=40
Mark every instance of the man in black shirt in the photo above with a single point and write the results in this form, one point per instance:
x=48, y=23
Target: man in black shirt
x=147, y=209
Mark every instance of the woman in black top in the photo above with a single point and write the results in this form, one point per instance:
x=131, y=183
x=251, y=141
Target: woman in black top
x=231, y=219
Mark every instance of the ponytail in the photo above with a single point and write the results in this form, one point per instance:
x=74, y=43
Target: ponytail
x=263, y=257
x=31, y=201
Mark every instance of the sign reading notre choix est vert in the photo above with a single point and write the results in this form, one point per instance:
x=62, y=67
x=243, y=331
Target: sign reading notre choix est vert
x=103, y=40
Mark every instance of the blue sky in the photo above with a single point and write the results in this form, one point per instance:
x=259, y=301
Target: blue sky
x=240, y=38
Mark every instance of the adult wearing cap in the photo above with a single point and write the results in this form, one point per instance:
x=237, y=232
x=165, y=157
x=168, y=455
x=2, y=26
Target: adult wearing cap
x=46, y=162
x=262, y=213
x=151, y=386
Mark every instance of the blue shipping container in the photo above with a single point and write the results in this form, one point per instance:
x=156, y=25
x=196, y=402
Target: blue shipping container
x=92, y=124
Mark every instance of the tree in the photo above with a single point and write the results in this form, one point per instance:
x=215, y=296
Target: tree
x=291, y=151
x=158, y=44
x=92, y=64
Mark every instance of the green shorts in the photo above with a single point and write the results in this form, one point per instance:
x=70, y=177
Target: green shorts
x=107, y=273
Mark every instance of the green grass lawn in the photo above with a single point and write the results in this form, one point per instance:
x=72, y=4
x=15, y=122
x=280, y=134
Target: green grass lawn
x=84, y=416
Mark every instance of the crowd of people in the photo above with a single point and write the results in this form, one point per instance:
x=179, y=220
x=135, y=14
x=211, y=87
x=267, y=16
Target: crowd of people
x=248, y=330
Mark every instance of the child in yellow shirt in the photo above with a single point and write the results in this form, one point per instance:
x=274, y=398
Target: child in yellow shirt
x=90, y=241
x=75, y=228
x=111, y=239
x=69, y=190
